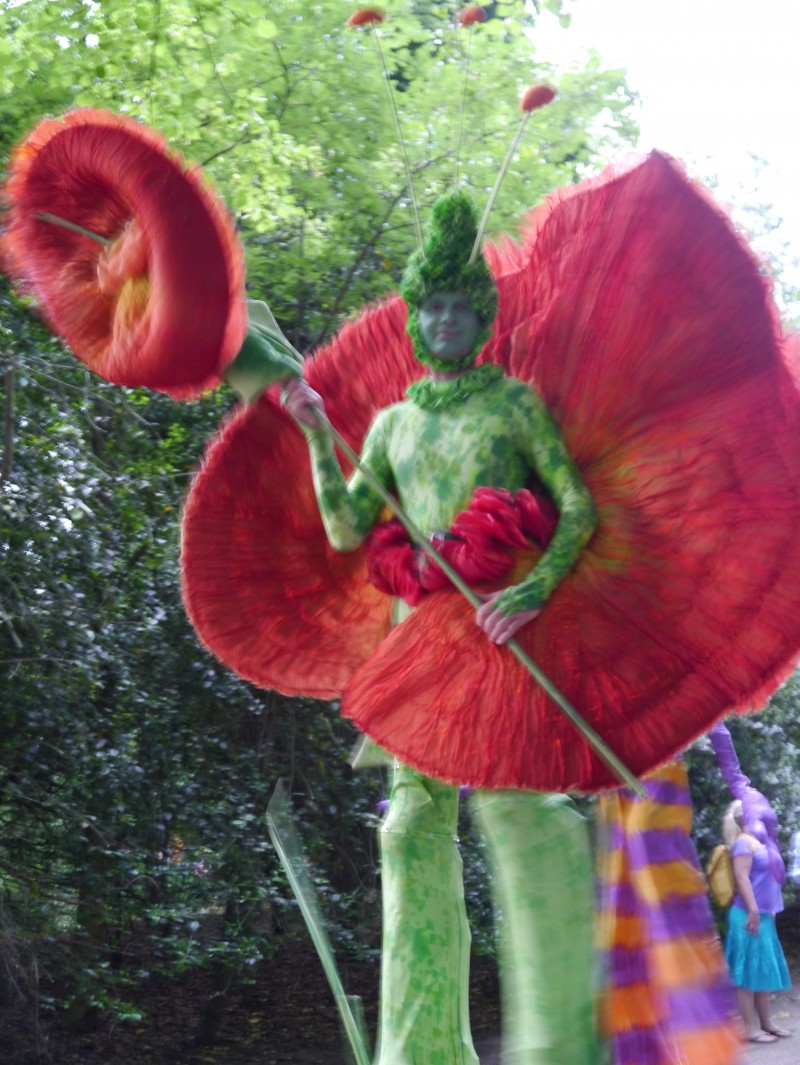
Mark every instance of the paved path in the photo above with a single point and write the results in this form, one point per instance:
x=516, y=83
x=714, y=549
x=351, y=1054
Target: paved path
x=786, y=1013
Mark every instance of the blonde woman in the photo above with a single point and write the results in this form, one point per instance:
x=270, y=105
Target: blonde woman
x=752, y=949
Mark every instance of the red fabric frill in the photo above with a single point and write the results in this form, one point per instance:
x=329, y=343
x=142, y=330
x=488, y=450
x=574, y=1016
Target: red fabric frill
x=263, y=587
x=483, y=545
x=642, y=319
x=163, y=306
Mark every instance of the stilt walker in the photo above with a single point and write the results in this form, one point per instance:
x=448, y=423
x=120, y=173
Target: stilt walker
x=461, y=428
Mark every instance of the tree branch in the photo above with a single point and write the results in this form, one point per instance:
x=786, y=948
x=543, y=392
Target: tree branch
x=9, y=624
x=8, y=416
x=366, y=249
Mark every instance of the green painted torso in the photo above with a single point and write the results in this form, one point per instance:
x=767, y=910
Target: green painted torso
x=439, y=457
x=434, y=459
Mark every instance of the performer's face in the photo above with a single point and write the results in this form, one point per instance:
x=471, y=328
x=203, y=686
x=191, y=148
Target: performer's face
x=448, y=325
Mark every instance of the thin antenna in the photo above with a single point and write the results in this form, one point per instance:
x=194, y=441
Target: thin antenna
x=533, y=98
x=371, y=16
x=469, y=17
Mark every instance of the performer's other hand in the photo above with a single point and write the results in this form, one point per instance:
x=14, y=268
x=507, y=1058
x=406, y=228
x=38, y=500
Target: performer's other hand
x=499, y=627
x=303, y=403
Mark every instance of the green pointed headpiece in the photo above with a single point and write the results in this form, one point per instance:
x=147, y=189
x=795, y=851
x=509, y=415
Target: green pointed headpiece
x=442, y=265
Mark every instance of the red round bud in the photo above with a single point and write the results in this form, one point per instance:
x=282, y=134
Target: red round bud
x=365, y=16
x=472, y=14
x=536, y=96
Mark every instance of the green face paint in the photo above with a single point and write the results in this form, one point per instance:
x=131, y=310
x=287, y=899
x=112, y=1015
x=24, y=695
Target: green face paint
x=442, y=267
x=448, y=325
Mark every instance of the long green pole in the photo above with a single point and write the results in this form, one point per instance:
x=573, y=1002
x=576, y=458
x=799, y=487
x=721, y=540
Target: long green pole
x=56, y=220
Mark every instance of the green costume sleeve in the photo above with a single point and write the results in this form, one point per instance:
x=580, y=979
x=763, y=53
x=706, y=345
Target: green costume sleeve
x=542, y=443
x=349, y=509
x=265, y=358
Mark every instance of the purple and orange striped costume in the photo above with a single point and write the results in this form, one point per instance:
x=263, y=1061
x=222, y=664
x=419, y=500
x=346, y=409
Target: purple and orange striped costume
x=667, y=998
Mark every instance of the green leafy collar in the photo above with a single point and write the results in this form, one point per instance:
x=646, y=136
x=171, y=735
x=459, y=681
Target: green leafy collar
x=435, y=395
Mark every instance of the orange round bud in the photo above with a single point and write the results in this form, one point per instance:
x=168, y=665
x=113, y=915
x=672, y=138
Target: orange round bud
x=472, y=14
x=365, y=16
x=536, y=96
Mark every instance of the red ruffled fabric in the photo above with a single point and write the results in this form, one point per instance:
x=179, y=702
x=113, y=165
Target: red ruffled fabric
x=642, y=319
x=163, y=306
x=262, y=586
x=483, y=545
x=264, y=589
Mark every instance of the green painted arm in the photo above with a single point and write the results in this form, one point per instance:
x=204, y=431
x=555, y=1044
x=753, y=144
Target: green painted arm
x=349, y=509
x=543, y=444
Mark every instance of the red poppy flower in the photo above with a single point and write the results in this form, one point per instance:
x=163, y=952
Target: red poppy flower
x=161, y=305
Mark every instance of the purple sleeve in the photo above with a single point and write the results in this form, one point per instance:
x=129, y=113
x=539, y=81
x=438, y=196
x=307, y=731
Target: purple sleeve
x=741, y=846
x=728, y=761
x=760, y=820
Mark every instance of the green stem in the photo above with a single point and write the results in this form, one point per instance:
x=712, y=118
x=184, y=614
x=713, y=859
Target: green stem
x=45, y=216
x=490, y=203
x=399, y=130
x=597, y=743
x=287, y=844
x=463, y=105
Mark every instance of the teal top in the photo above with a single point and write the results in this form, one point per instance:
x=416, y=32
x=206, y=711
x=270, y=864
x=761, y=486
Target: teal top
x=432, y=451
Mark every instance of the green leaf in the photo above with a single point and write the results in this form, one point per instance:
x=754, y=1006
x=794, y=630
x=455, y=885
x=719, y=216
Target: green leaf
x=265, y=29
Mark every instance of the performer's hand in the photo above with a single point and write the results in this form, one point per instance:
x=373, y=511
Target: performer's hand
x=499, y=627
x=303, y=403
x=752, y=922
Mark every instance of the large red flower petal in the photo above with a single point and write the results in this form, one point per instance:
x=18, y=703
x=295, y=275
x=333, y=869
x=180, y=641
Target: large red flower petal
x=262, y=586
x=644, y=321
x=654, y=342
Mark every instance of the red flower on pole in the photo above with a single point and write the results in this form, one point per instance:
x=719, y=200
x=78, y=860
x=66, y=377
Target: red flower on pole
x=365, y=16
x=161, y=305
x=537, y=96
x=472, y=14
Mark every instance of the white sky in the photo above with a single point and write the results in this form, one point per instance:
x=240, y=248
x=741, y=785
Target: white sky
x=719, y=80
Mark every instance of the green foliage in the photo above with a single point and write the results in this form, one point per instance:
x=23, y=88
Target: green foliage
x=134, y=769
x=290, y=118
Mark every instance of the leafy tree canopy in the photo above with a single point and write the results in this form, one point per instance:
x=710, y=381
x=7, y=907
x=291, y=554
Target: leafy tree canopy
x=286, y=108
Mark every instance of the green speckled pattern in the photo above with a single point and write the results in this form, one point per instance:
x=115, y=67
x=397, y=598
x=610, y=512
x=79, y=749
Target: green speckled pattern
x=426, y=937
x=542, y=881
x=434, y=459
x=543, y=893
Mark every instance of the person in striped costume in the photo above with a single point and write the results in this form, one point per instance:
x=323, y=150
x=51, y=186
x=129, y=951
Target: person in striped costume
x=668, y=999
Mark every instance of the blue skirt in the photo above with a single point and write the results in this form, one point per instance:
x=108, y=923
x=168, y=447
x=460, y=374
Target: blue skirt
x=755, y=962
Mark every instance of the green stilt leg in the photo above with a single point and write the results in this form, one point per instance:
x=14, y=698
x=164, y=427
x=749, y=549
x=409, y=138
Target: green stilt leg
x=426, y=938
x=543, y=892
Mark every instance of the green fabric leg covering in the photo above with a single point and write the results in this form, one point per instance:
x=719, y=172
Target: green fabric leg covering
x=543, y=894
x=426, y=938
